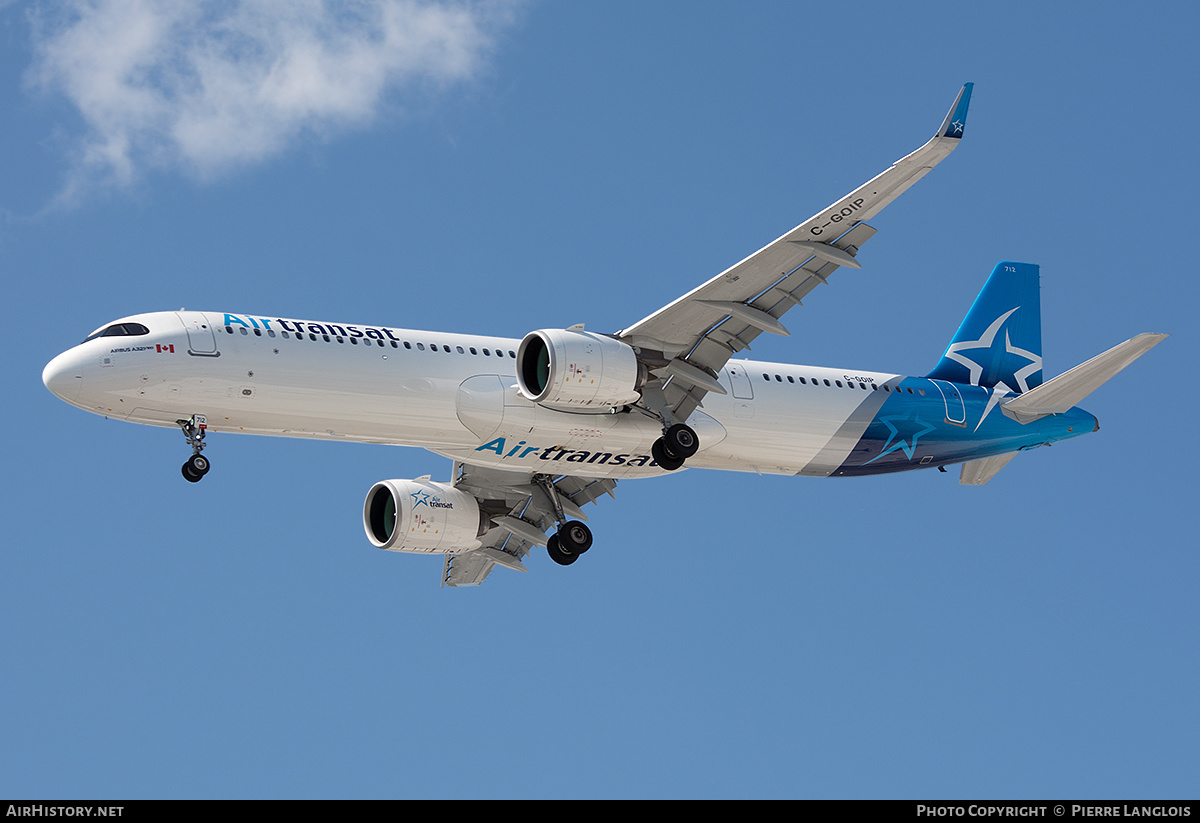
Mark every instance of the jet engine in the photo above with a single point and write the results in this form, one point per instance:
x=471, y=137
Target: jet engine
x=422, y=516
x=578, y=371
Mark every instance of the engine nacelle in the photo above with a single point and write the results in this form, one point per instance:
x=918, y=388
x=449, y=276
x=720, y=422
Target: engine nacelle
x=421, y=516
x=577, y=370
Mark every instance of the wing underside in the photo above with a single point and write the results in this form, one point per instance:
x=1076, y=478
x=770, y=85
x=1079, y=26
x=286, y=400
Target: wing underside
x=687, y=342
x=521, y=513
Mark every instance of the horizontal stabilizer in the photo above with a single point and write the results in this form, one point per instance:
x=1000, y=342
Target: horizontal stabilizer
x=978, y=472
x=1068, y=389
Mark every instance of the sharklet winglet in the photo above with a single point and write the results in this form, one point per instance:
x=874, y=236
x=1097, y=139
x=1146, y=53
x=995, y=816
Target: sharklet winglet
x=956, y=120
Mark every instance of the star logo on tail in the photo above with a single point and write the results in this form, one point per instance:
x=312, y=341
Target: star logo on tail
x=992, y=350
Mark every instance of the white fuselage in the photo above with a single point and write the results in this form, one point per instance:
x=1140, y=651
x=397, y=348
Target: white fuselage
x=453, y=394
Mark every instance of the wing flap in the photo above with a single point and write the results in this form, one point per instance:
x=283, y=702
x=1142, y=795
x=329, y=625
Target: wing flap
x=521, y=514
x=466, y=569
x=732, y=334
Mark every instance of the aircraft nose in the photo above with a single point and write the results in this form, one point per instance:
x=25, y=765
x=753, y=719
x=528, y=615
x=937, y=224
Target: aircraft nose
x=64, y=375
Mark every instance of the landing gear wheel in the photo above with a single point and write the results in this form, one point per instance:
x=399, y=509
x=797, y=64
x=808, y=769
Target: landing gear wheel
x=198, y=465
x=574, y=537
x=562, y=558
x=664, y=458
x=681, y=441
x=188, y=474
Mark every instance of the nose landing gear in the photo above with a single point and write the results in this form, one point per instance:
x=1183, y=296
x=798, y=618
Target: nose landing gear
x=197, y=465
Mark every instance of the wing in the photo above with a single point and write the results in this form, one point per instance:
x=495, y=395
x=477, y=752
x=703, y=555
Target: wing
x=521, y=513
x=688, y=342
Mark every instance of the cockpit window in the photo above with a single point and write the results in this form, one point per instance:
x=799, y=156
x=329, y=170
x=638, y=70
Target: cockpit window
x=119, y=330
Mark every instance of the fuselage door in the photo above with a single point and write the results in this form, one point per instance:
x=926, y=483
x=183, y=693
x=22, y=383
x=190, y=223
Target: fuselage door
x=739, y=381
x=956, y=412
x=201, y=340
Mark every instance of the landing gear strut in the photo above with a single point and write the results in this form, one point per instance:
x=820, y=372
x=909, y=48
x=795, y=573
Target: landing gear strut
x=197, y=465
x=572, y=538
x=678, y=443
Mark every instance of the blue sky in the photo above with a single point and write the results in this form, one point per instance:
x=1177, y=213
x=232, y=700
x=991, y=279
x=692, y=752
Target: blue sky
x=501, y=168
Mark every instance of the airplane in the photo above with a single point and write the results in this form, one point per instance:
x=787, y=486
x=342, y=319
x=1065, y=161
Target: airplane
x=539, y=427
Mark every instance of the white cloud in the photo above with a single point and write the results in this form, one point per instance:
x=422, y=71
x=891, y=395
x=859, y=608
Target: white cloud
x=209, y=85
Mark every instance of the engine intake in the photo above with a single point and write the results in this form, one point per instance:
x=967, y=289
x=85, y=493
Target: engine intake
x=577, y=370
x=422, y=516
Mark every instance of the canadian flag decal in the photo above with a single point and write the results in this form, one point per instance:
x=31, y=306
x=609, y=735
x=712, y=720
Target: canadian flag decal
x=161, y=348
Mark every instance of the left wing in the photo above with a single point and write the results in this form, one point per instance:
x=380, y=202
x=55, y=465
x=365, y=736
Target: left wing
x=521, y=513
x=688, y=341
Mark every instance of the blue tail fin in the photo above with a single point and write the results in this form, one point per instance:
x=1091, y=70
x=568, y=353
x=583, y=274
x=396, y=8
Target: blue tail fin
x=1000, y=341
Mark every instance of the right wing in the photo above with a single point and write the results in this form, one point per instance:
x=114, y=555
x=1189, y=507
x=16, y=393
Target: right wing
x=522, y=513
x=697, y=334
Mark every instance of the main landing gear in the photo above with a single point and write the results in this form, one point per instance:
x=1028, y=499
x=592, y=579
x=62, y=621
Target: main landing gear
x=571, y=540
x=572, y=537
x=678, y=443
x=197, y=465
